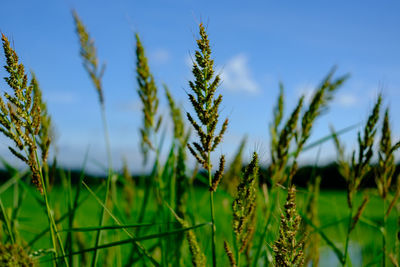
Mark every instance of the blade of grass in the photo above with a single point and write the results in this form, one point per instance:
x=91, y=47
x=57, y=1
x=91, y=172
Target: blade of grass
x=166, y=195
x=112, y=227
x=329, y=242
x=61, y=219
x=371, y=223
x=130, y=240
x=265, y=228
x=138, y=245
x=72, y=207
x=8, y=166
x=7, y=221
x=147, y=191
x=105, y=209
x=12, y=181
x=35, y=194
x=148, y=184
x=328, y=137
x=375, y=261
x=327, y=225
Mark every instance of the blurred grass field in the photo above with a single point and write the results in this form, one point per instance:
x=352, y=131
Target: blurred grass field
x=365, y=242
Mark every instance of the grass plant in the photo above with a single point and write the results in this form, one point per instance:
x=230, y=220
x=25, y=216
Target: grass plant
x=206, y=105
x=91, y=65
x=21, y=121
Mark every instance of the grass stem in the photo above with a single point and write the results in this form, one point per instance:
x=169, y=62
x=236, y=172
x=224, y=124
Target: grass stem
x=108, y=183
x=213, y=237
x=346, y=246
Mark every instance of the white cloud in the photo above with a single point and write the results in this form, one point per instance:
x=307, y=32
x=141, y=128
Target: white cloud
x=236, y=75
x=346, y=100
x=189, y=61
x=61, y=97
x=134, y=105
x=159, y=56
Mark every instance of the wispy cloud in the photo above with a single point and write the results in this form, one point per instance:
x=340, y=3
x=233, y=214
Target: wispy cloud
x=346, y=100
x=236, y=75
x=61, y=97
x=341, y=99
x=159, y=56
x=189, y=60
x=134, y=105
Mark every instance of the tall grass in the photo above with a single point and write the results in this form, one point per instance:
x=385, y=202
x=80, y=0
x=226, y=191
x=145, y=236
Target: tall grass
x=177, y=215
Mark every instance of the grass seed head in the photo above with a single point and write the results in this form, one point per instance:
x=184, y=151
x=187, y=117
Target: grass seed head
x=278, y=115
x=148, y=95
x=23, y=116
x=386, y=164
x=360, y=163
x=312, y=243
x=218, y=174
x=244, y=205
x=360, y=210
x=176, y=115
x=205, y=102
x=89, y=56
x=14, y=255
x=198, y=257
x=280, y=147
x=288, y=251
x=230, y=255
x=46, y=131
x=317, y=105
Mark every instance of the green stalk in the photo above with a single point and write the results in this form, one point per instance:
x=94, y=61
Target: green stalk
x=68, y=245
x=135, y=239
x=143, y=208
x=384, y=234
x=73, y=204
x=108, y=183
x=53, y=227
x=213, y=238
x=346, y=248
x=7, y=221
x=265, y=229
x=59, y=220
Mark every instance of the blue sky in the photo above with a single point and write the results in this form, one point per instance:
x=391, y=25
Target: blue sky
x=255, y=45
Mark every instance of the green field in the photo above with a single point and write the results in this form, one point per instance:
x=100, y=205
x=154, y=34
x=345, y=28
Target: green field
x=365, y=244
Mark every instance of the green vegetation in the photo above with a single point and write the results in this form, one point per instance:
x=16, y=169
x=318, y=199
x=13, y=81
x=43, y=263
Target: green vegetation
x=176, y=216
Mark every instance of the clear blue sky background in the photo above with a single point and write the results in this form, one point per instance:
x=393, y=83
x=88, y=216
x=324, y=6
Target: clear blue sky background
x=255, y=45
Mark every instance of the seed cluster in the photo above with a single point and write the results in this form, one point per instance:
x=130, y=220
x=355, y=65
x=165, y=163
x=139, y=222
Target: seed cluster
x=282, y=139
x=358, y=168
x=205, y=104
x=244, y=205
x=23, y=116
x=89, y=56
x=14, y=255
x=148, y=95
x=288, y=251
x=386, y=166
